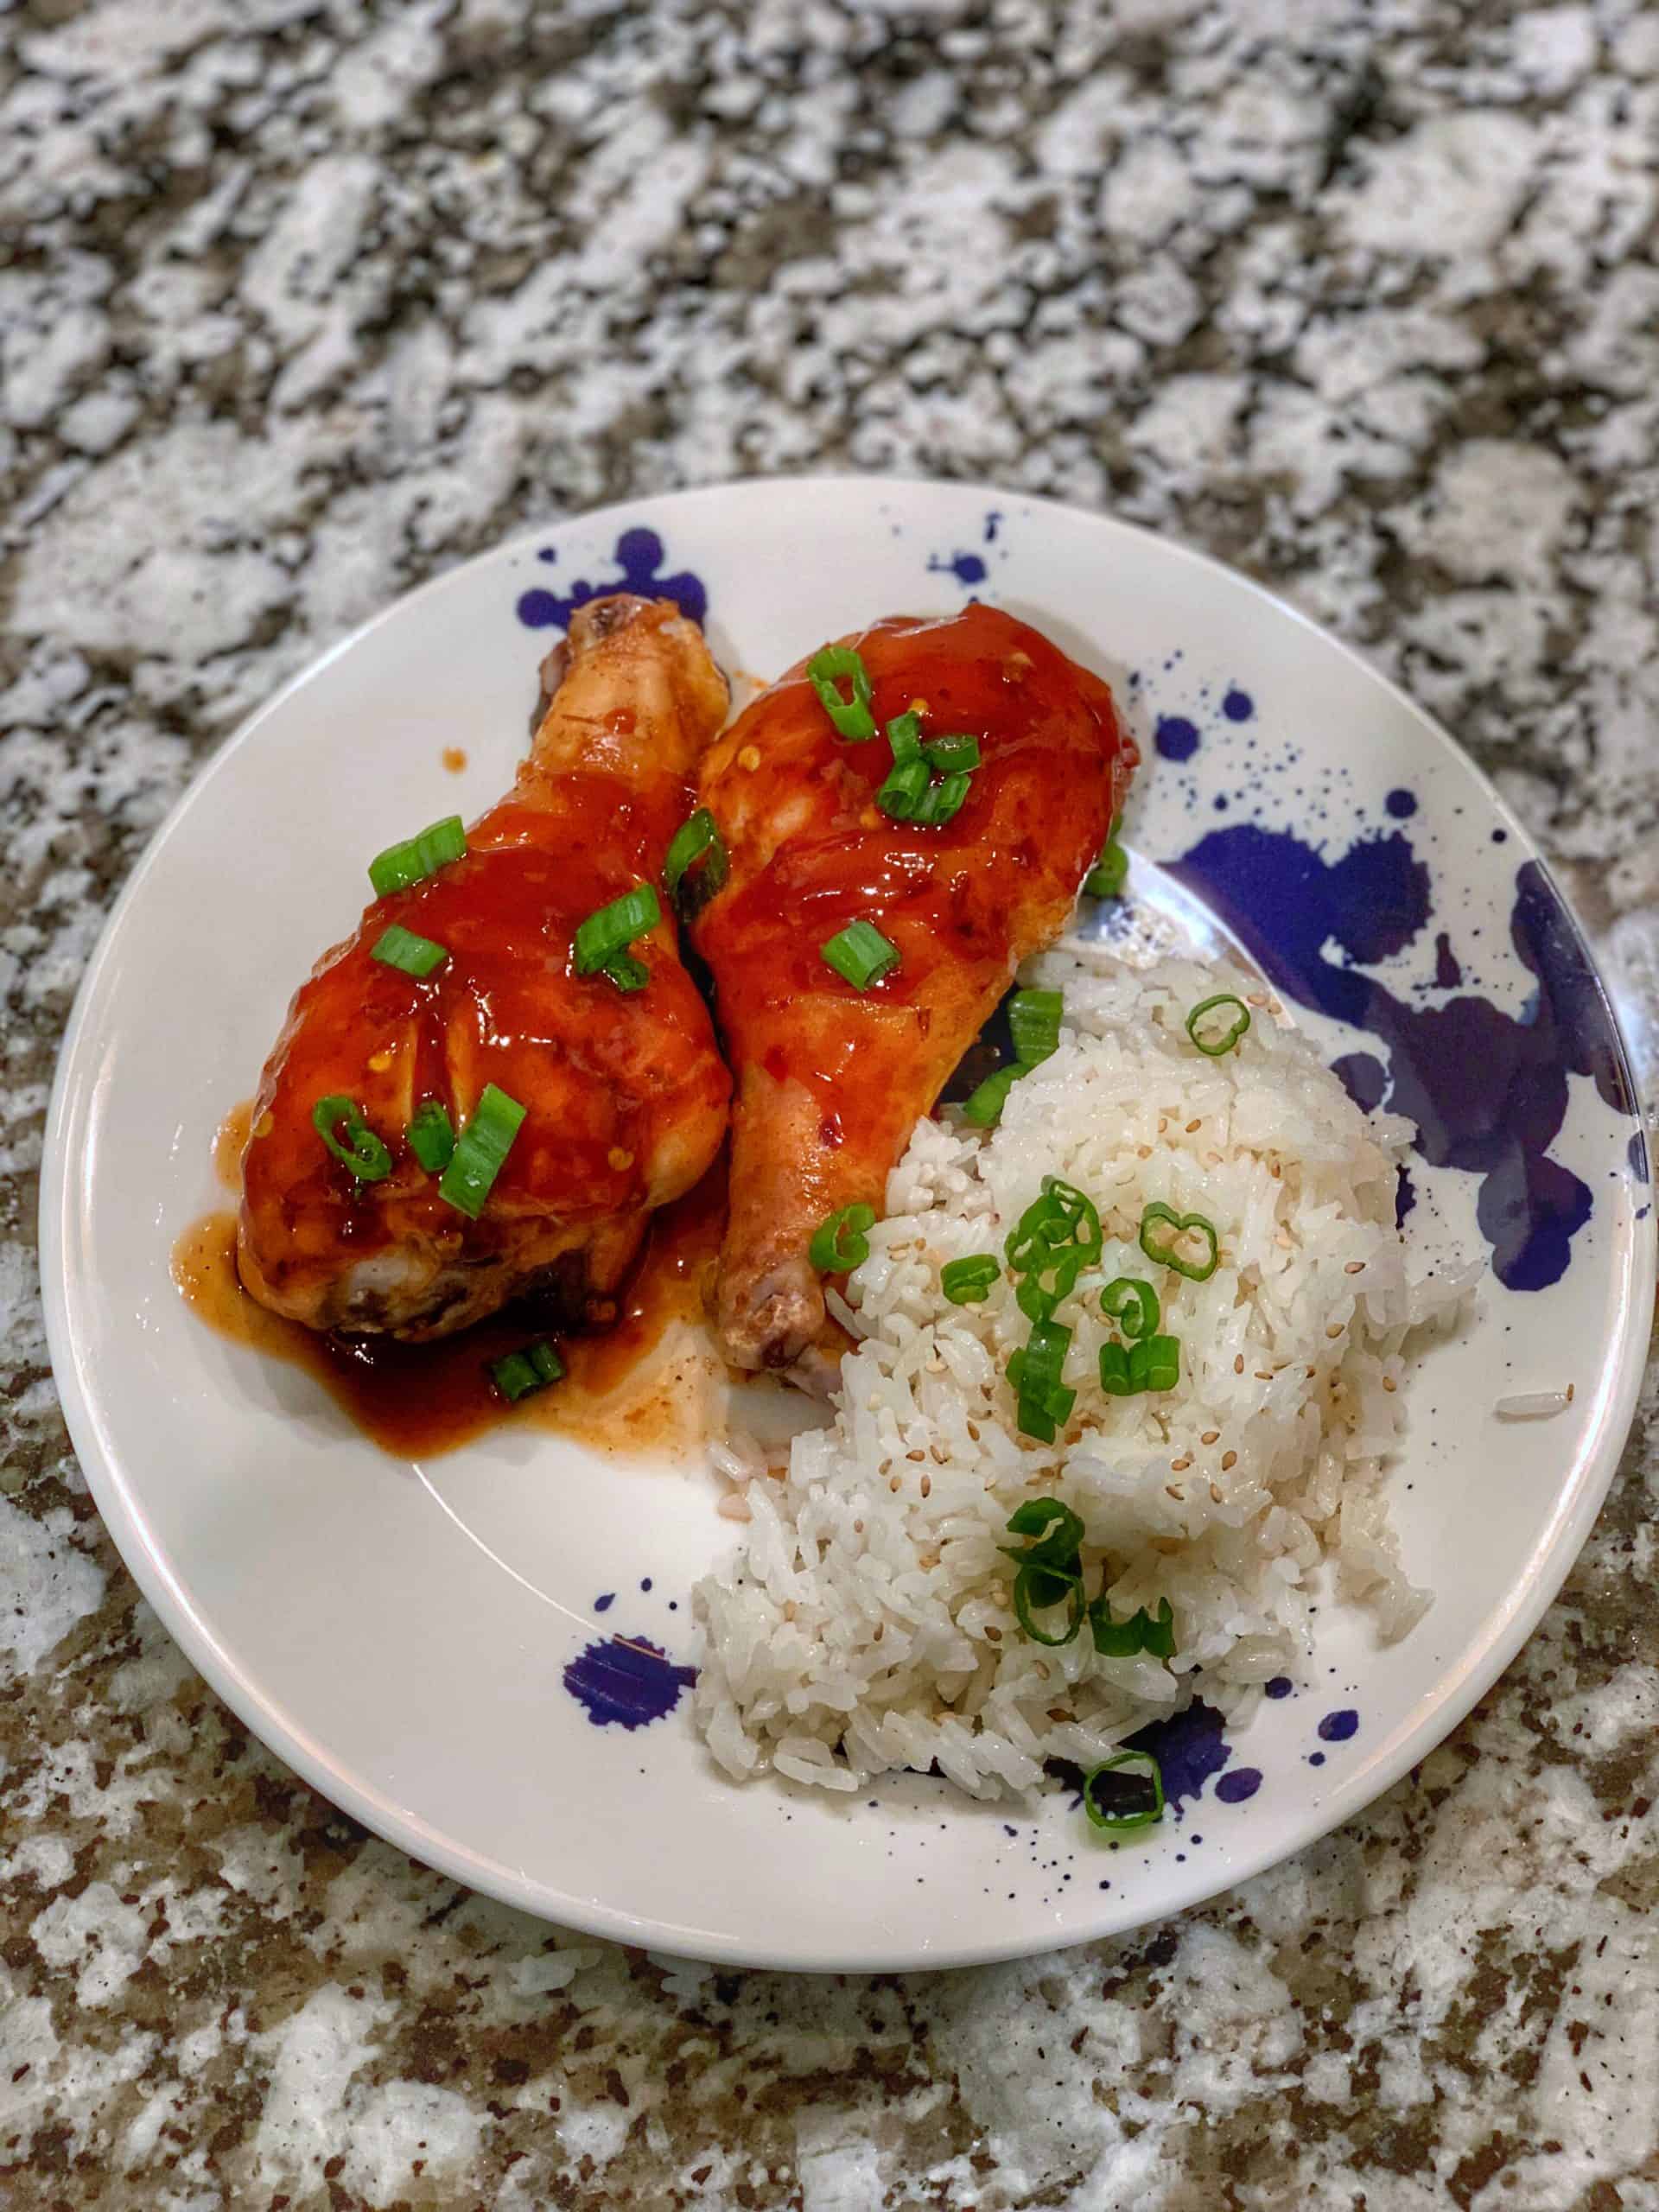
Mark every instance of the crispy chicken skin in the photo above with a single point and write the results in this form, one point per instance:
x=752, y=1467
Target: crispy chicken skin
x=627, y=1094
x=831, y=1080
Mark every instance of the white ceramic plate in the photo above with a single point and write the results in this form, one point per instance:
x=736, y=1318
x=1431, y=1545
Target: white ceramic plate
x=400, y=1633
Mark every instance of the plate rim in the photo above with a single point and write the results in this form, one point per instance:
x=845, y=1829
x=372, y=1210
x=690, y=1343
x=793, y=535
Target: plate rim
x=1554, y=1552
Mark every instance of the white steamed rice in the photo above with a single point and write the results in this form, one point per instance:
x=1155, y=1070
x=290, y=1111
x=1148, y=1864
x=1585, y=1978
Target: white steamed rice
x=865, y=1622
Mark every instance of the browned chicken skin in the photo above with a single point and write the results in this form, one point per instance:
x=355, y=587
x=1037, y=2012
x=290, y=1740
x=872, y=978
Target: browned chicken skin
x=627, y=1094
x=832, y=1080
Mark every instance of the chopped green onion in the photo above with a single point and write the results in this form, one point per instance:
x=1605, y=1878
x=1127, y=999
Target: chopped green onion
x=1155, y=1364
x=905, y=735
x=839, y=1242
x=532, y=1368
x=1058, y=1234
x=396, y=947
x=1216, y=1046
x=417, y=857
x=1128, y=1293
x=1110, y=872
x=610, y=930
x=951, y=755
x=1058, y=1530
x=860, y=953
x=1179, y=1225
x=432, y=1136
x=1044, y=1418
x=848, y=711
x=1034, y=1024
x=1037, y=1298
x=1042, y=1587
x=1124, y=1823
x=358, y=1148
x=984, y=1108
x=904, y=790
x=1114, y=1377
x=968, y=1282
x=941, y=803
x=625, y=972
x=698, y=846
x=1141, y=1632
x=485, y=1144
x=1043, y=1358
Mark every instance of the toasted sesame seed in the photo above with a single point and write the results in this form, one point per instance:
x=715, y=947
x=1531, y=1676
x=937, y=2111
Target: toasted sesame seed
x=1143, y=1151
x=895, y=1483
x=1209, y=1436
x=1192, y=1126
x=1170, y=1491
x=790, y=1610
x=1333, y=1330
x=994, y=1635
x=1388, y=1383
x=927, y=1485
x=734, y=1508
x=1058, y=1713
x=1163, y=1123
x=1215, y=1495
x=1256, y=998
x=1229, y=1459
x=858, y=1528
x=1571, y=1388
x=1179, y=1467
x=916, y=1455
x=1355, y=1268
x=1238, y=1368
x=1264, y=1375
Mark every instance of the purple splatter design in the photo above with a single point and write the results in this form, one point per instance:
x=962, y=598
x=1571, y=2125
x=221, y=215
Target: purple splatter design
x=1487, y=1090
x=1280, y=1685
x=1237, y=705
x=1316, y=1758
x=1405, y=1197
x=640, y=557
x=1338, y=1727
x=1243, y=1783
x=1175, y=737
x=993, y=523
x=1365, y=1079
x=603, y=1604
x=966, y=568
x=1637, y=1153
x=1188, y=1749
x=626, y=1680
x=1401, y=804
x=1447, y=973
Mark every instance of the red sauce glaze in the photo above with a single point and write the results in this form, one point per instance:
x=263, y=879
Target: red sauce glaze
x=622, y=1390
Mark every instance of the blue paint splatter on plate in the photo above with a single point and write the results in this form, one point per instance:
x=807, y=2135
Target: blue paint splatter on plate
x=1487, y=1092
x=625, y=1680
x=640, y=558
x=1237, y=705
x=603, y=1604
x=966, y=568
x=1338, y=1727
x=1401, y=804
x=1175, y=737
x=1243, y=1783
x=1280, y=1685
x=1188, y=1749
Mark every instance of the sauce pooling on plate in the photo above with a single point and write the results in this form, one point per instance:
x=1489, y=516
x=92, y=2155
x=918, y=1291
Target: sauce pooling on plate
x=628, y=1388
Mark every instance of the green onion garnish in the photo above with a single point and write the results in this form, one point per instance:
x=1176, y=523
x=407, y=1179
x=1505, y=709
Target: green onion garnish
x=1050, y=1568
x=968, y=1282
x=432, y=1136
x=905, y=735
x=610, y=930
x=1141, y=1632
x=1132, y=1305
x=625, y=972
x=1178, y=1225
x=850, y=710
x=338, y=1121
x=1106, y=877
x=1042, y=1587
x=485, y=1144
x=520, y=1372
x=416, y=858
x=1034, y=1024
x=951, y=755
x=904, y=789
x=941, y=803
x=1056, y=1238
x=1114, y=1377
x=1042, y=1401
x=1155, y=1364
x=1123, y=1823
x=698, y=863
x=860, y=953
x=839, y=1243
x=1211, y=1045
x=396, y=947
x=983, y=1106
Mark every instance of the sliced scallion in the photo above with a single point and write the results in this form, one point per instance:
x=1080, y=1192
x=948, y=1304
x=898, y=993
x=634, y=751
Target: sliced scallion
x=432, y=1136
x=627, y=973
x=848, y=710
x=1155, y=1364
x=941, y=803
x=531, y=1368
x=610, y=930
x=903, y=790
x=1210, y=1043
x=1142, y=1631
x=1161, y=1230
x=1132, y=1305
x=1034, y=1024
x=839, y=1242
x=484, y=1145
x=1125, y=1823
x=969, y=1282
x=860, y=954
x=951, y=755
x=983, y=1106
x=698, y=863
x=419, y=856
x=396, y=947
x=1110, y=872
x=338, y=1121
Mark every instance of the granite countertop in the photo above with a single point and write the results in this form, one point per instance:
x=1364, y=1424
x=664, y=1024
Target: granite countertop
x=302, y=300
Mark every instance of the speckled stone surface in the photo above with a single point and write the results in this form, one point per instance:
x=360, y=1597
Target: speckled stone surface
x=302, y=300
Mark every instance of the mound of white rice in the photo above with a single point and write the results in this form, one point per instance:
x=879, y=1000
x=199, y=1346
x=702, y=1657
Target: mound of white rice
x=865, y=1621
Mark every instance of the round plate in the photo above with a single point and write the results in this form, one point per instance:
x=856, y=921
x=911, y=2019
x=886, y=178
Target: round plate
x=401, y=1634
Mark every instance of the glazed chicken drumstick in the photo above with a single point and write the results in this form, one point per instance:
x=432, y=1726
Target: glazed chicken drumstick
x=832, y=1074
x=391, y=1180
